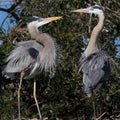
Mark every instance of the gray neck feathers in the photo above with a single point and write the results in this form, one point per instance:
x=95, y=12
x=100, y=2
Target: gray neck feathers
x=48, y=54
x=92, y=45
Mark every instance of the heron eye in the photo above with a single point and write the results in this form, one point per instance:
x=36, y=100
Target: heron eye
x=92, y=9
x=39, y=20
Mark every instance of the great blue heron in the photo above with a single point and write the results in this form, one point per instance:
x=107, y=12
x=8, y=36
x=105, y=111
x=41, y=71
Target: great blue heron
x=95, y=63
x=30, y=58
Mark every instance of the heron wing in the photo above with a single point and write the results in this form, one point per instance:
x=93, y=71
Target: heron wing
x=93, y=80
x=22, y=56
x=95, y=61
x=96, y=67
x=31, y=43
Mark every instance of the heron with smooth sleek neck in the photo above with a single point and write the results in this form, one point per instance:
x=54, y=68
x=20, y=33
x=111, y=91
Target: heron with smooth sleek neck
x=31, y=57
x=95, y=63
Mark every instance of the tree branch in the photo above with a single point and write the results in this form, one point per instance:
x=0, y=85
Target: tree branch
x=11, y=10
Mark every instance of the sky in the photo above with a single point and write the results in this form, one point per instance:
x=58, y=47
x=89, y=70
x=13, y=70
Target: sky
x=5, y=21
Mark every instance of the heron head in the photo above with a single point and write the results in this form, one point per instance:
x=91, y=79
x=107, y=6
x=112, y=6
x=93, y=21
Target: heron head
x=32, y=19
x=37, y=21
x=93, y=9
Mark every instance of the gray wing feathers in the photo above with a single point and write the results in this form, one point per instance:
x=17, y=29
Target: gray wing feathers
x=96, y=68
x=94, y=61
x=92, y=81
x=20, y=58
x=30, y=43
x=95, y=77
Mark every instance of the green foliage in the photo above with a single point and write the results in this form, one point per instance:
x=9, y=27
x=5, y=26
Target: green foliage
x=62, y=98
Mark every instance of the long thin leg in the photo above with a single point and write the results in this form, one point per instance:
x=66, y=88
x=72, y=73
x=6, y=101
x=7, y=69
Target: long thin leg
x=93, y=100
x=34, y=95
x=94, y=110
x=21, y=78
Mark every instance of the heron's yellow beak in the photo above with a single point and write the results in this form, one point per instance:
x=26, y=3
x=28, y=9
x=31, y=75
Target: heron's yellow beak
x=85, y=10
x=47, y=20
x=50, y=19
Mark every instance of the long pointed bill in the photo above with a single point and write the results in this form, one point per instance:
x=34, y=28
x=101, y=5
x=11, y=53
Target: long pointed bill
x=85, y=10
x=50, y=19
x=47, y=20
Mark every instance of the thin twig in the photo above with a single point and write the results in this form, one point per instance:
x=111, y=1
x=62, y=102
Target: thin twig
x=11, y=10
x=114, y=13
x=84, y=98
x=101, y=116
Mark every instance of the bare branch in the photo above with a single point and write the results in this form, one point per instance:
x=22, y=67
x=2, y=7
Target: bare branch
x=11, y=10
x=114, y=13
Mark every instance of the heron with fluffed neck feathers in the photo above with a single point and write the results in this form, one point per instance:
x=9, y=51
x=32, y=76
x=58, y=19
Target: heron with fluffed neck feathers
x=31, y=57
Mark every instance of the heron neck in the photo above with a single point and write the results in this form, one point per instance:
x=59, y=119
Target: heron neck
x=93, y=42
x=34, y=32
x=48, y=52
x=43, y=38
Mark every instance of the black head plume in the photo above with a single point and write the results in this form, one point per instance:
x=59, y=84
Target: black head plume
x=34, y=18
x=97, y=7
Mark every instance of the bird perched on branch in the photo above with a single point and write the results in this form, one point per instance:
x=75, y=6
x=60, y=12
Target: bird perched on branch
x=31, y=57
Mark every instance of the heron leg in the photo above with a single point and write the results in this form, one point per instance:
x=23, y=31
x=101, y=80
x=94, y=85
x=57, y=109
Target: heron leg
x=21, y=78
x=35, y=98
x=94, y=110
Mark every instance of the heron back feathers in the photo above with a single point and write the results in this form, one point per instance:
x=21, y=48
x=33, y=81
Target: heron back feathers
x=96, y=68
x=23, y=57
